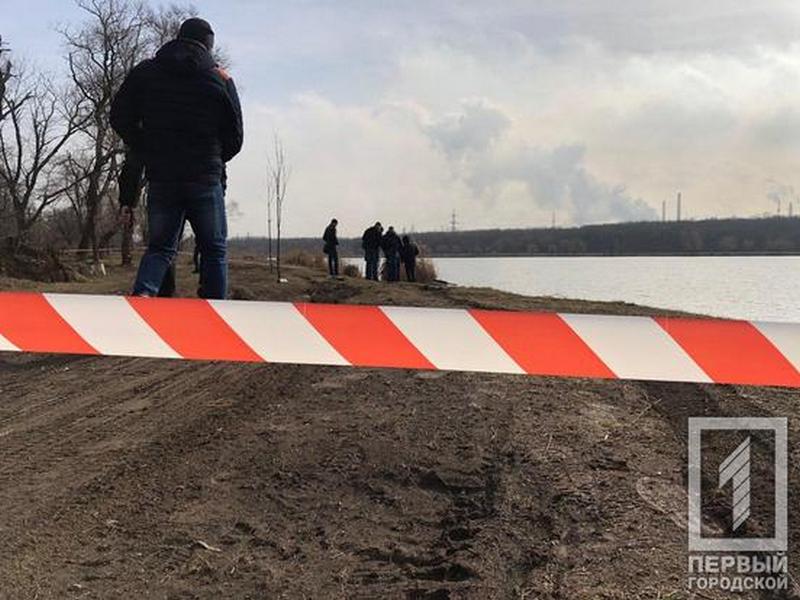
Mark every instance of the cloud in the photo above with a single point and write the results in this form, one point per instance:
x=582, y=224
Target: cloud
x=503, y=112
x=410, y=166
x=558, y=179
x=472, y=129
x=489, y=162
x=508, y=136
x=780, y=130
x=356, y=163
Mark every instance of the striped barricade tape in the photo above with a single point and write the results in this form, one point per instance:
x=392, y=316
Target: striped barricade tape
x=567, y=345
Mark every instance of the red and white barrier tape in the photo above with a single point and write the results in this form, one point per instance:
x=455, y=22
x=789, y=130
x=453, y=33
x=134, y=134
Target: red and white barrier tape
x=568, y=345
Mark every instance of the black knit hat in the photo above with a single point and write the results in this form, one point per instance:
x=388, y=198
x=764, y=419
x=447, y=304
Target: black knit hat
x=198, y=30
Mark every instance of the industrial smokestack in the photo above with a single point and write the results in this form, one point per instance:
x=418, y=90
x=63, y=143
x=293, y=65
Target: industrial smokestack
x=679, y=208
x=663, y=211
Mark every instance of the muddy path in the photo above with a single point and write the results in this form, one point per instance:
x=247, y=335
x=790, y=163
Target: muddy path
x=129, y=478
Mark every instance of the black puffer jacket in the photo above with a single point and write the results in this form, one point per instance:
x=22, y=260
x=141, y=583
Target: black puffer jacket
x=391, y=243
x=330, y=238
x=371, y=240
x=181, y=114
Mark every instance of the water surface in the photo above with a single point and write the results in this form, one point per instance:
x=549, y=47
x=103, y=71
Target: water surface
x=749, y=287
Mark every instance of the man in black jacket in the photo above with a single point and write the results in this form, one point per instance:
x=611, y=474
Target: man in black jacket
x=371, y=243
x=331, y=247
x=408, y=253
x=391, y=245
x=181, y=114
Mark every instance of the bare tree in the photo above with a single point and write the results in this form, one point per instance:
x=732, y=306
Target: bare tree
x=270, y=202
x=101, y=52
x=278, y=173
x=39, y=123
x=5, y=75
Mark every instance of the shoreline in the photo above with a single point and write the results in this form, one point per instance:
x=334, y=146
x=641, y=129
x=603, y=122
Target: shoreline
x=250, y=279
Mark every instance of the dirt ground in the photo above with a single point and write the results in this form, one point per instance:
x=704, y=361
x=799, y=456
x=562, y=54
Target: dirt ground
x=138, y=478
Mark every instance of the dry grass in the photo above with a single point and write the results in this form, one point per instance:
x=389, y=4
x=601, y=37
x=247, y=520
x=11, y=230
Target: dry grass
x=426, y=270
x=303, y=258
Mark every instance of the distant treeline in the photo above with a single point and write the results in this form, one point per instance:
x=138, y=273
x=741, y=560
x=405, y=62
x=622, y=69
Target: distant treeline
x=778, y=235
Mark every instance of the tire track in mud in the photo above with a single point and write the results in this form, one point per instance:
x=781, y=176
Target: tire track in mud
x=447, y=561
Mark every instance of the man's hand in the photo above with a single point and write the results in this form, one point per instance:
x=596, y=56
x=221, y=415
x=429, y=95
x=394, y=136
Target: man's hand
x=126, y=216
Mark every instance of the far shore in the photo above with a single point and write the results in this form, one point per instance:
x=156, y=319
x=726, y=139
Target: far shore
x=600, y=255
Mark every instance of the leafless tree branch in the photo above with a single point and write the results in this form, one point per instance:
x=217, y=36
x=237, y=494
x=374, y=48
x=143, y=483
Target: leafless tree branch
x=278, y=174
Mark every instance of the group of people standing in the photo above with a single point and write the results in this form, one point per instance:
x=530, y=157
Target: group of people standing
x=395, y=249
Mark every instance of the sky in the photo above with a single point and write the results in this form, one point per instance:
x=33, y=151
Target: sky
x=509, y=113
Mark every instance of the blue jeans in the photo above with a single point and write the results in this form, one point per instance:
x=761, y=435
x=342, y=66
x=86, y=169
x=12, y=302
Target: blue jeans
x=168, y=205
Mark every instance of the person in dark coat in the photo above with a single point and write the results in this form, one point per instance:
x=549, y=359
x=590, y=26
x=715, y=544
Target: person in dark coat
x=331, y=247
x=408, y=253
x=371, y=243
x=181, y=114
x=391, y=245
